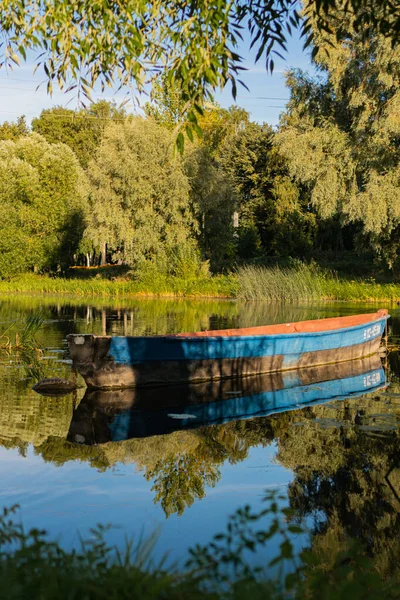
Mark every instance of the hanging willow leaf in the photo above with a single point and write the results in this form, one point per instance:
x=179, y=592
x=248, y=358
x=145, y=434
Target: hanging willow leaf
x=193, y=42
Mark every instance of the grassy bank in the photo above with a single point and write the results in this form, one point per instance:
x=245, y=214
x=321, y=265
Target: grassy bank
x=219, y=286
x=301, y=283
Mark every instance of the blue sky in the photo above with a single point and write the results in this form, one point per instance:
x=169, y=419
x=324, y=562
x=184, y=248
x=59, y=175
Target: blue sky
x=265, y=100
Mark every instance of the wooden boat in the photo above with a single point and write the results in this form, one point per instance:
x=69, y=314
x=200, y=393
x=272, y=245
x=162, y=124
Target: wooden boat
x=114, y=415
x=105, y=361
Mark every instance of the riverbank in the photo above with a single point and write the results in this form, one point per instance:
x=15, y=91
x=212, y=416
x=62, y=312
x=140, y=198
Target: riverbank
x=275, y=284
x=218, y=286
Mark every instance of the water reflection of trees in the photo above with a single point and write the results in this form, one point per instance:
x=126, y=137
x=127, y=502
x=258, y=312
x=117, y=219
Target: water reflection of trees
x=346, y=462
x=340, y=454
x=150, y=316
x=345, y=458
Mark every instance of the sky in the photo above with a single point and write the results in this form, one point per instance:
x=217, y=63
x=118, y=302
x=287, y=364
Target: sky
x=265, y=100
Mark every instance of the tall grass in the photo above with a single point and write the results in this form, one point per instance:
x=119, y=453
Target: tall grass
x=19, y=341
x=23, y=337
x=307, y=283
x=278, y=284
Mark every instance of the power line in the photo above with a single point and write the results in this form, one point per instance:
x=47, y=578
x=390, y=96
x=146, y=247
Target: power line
x=239, y=96
x=269, y=98
x=67, y=116
x=35, y=90
x=17, y=79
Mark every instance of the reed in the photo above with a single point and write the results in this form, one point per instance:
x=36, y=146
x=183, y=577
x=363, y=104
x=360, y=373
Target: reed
x=15, y=339
x=359, y=290
x=20, y=342
x=278, y=284
x=307, y=283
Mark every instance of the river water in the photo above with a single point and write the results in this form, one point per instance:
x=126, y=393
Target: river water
x=75, y=461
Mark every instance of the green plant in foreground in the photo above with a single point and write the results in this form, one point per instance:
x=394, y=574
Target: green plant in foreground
x=227, y=562
x=24, y=339
x=33, y=567
x=24, y=345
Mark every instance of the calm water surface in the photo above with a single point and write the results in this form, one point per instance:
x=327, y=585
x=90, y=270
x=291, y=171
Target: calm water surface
x=76, y=461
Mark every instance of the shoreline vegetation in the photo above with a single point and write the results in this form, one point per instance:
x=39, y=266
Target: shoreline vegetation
x=299, y=283
x=226, y=568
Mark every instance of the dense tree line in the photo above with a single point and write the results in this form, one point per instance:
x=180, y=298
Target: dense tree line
x=138, y=202
x=98, y=185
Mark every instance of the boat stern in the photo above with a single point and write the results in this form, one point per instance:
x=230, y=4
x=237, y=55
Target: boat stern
x=87, y=348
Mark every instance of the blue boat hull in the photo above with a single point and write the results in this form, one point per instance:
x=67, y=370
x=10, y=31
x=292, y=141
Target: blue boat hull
x=134, y=361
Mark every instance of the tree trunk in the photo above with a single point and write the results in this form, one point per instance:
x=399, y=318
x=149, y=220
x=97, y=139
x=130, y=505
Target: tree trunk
x=104, y=322
x=104, y=253
x=87, y=259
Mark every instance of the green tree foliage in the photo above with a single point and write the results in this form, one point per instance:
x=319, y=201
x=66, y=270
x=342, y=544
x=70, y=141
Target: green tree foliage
x=81, y=130
x=272, y=213
x=12, y=131
x=237, y=168
x=341, y=133
x=140, y=194
x=211, y=194
x=166, y=106
x=214, y=201
x=196, y=43
x=247, y=168
x=42, y=205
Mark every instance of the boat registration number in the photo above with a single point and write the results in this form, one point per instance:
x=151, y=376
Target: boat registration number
x=372, y=332
x=372, y=379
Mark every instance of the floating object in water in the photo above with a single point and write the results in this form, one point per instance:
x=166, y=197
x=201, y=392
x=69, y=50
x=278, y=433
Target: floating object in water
x=54, y=386
x=181, y=416
x=118, y=362
x=115, y=415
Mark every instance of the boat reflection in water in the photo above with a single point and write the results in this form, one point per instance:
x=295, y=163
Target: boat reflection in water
x=115, y=415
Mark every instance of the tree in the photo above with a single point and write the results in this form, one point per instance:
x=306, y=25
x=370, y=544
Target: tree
x=166, y=107
x=81, y=130
x=213, y=200
x=236, y=167
x=212, y=196
x=194, y=43
x=181, y=479
x=140, y=194
x=341, y=134
x=12, y=131
x=274, y=218
x=42, y=205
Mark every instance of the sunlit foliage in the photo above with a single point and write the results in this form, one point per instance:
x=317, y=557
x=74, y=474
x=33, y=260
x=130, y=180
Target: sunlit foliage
x=81, y=130
x=140, y=194
x=341, y=134
x=82, y=42
x=12, y=131
x=43, y=202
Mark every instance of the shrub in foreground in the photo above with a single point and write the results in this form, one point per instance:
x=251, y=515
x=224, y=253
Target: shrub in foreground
x=33, y=567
